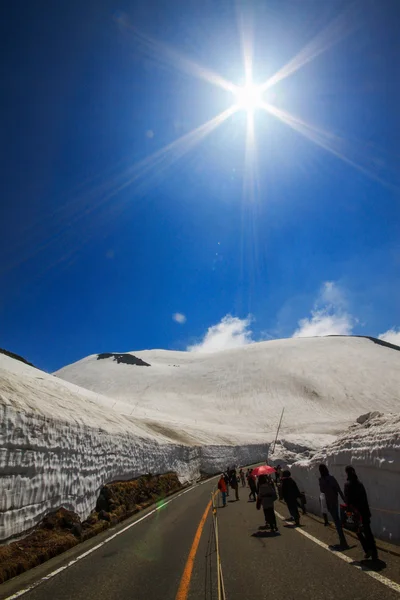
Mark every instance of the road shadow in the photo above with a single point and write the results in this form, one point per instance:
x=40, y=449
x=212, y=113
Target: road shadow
x=339, y=548
x=370, y=565
x=109, y=554
x=232, y=501
x=265, y=534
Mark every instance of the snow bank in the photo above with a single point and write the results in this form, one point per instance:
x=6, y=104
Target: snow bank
x=47, y=462
x=286, y=452
x=372, y=446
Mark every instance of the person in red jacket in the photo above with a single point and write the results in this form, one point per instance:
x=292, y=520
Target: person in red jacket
x=222, y=489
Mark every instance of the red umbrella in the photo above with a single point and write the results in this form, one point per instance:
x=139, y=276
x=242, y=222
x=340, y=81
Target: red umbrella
x=263, y=470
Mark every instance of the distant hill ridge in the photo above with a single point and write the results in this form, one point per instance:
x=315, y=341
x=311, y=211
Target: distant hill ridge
x=16, y=357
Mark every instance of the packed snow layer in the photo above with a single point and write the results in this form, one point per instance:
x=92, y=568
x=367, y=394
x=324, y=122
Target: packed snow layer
x=373, y=448
x=59, y=445
x=285, y=453
x=323, y=383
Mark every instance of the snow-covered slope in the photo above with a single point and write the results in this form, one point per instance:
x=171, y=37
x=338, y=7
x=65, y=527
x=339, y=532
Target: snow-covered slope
x=323, y=383
x=373, y=448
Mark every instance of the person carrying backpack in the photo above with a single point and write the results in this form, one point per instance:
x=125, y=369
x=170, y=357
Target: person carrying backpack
x=356, y=498
x=265, y=499
x=290, y=493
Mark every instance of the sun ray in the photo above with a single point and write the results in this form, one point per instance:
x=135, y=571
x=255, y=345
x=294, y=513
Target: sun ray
x=165, y=54
x=178, y=147
x=339, y=28
x=245, y=26
x=99, y=197
x=249, y=232
x=322, y=138
x=250, y=163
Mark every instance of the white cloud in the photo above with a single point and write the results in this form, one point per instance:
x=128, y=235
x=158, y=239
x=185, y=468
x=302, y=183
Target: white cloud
x=392, y=336
x=329, y=316
x=179, y=318
x=321, y=323
x=231, y=332
x=331, y=294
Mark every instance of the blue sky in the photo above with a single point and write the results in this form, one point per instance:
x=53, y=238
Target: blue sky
x=104, y=237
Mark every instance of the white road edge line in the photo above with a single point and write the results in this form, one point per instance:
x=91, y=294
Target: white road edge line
x=388, y=582
x=84, y=554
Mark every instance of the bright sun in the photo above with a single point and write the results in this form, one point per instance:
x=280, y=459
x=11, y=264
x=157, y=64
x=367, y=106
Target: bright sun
x=249, y=97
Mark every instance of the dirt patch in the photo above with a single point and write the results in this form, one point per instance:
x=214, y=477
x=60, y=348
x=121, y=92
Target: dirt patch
x=61, y=530
x=172, y=434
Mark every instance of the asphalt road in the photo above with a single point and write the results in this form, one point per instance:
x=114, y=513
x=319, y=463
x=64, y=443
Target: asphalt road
x=153, y=559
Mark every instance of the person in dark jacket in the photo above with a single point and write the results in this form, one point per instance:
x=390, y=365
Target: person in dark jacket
x=252, y=485
x=266, y=498
x=226, y=478
x=330, y=487
x=233, y=481
x=278, y=472
x=290, y=493
x=242, y=477
x=356, y=498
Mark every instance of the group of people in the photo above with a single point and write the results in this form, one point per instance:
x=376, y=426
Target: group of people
x=355, y=498
x=265, y=491
x=228, y=479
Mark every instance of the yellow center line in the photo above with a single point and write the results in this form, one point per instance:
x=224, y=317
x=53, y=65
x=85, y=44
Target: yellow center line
x=183, y=590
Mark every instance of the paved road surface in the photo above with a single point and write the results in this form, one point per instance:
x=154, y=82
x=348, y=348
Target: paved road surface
x=150, y=560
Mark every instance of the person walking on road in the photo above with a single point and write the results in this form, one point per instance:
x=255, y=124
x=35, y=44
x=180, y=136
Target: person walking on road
x=233, y=480
x=356, y=498
x=226, y=479
x=278, y=473
x=252, y=485
x=331, y=489
x=290, y=494
x=266, y=498
x=242, y=477
x=222, y=489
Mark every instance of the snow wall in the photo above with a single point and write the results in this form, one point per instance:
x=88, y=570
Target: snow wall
x=372, y=446
x=45, y=464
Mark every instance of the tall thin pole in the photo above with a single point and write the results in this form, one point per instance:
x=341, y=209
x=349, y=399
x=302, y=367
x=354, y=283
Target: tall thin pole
x=277, y=432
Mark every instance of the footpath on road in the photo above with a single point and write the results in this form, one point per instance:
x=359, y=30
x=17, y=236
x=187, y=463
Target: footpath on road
x=297, y=563
x=168, y=552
